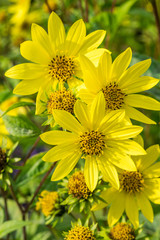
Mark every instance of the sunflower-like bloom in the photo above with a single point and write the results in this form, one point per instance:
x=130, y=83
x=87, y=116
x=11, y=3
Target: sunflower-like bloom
x=80, y=232
x=46, y=202
x=136, y=189
x=120, y=84
x=55, y=55
x=55, y=98
x=95, y=136
x=122, y=231
x=77, y=186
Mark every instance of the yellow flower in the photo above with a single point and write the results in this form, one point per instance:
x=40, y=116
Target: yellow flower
x=136, y=189
x=80, y=232
x=55, y=55
x=122, y=231
x=52, y=98
x=77, y=186
x=95, y=136
x=46, y=202
x=120, y=84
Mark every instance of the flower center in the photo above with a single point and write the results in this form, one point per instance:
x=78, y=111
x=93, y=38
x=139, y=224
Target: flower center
x=62, y=100
x=80, y=232
x=122, y=231
x=47, y=201
x=62, y=68
x=131, y=182
x=3, y=160
x=92, y=143
x=77, y=186
x=114, y=96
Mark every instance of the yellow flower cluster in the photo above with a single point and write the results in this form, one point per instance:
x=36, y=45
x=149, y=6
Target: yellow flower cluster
x=122, y=231
x=81, y=233
x=97, y=127
x=77, y=185
x=46, y=202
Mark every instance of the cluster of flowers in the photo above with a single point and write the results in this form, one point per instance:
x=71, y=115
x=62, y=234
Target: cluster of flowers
x=92, y=102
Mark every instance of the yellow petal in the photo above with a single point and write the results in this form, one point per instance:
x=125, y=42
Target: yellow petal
x=90, y=75
x=134, y=72
x=124, y=132
x=117, y=208
x=75, y=37
x=108, y=171
x=119, y=159
x=82, y=113
x=93, y=40
x=59, y=152
x=140, y=84
x=56, y=30
x=57, y=137
x=65, y=166
x=91, y=172
x=128, y=146
x=145, y=206
x=153, y=153
x=153, y=171
x=111, y=120
x=94, y=56
x=27, y=87
x=104, y=68
x=97, y=110
x=137, y=115
x=67, y=121
x=34, y=53
x=141, y=101
x=152, y=189
x=121, y=63
x=40, y=37
x=25, y=71
x=132, y=210
x=86, y=96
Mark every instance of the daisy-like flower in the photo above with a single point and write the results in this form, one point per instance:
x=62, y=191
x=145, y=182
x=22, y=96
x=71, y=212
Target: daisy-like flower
x=46, y=202
x=50, y=99
x=77, y=186
x=122, y=231
x=136, y=189
x=120, y=84
x=55, y=55
x=95, y=136
x=80, y=232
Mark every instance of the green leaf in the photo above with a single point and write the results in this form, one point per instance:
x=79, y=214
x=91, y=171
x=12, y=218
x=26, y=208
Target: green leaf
x=20, y=126
x=33, y=168
x=18, y=104
x=12, y=225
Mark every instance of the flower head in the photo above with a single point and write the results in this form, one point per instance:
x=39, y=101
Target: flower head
x=77, y=186
x=55, y=98
x=122, y=231
x=100, y=139
x=55, y=55
x=80, y=232
x=119, y=84
x=136, y=189
x=46, y=202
